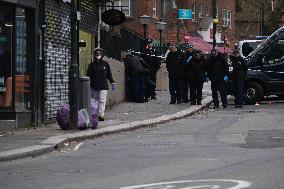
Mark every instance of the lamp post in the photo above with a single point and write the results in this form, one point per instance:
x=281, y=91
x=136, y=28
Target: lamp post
x=161, y=26
x=145, y=19
x=74, y=68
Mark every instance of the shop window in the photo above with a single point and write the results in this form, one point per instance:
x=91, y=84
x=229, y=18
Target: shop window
x=22, y=78
x=5, y=56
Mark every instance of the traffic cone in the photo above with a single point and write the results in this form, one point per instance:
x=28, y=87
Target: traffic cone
x=257, y=103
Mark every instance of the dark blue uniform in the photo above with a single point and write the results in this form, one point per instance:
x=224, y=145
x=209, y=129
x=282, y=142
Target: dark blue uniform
x=217, y=68
x=238, y=76
x=174, y=67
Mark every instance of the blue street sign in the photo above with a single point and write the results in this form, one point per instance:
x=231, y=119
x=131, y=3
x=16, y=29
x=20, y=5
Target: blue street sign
x=185, y=14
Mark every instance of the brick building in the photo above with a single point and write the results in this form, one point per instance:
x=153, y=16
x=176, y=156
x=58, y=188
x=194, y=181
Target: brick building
x=258, y=17
x=166, y=11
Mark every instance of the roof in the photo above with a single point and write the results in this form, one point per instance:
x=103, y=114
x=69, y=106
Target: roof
x=205, y=23
x=199, y=44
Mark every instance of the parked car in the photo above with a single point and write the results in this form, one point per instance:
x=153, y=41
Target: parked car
x=265, y=74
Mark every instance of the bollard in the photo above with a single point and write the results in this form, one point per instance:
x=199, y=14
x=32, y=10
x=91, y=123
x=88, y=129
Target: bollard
x=85, y=94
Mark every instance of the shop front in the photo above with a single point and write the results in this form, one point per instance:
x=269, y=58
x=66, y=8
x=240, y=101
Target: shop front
x=17, y=59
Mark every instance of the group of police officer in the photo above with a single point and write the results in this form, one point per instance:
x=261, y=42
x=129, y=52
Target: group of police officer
x=187, y=69
x=190, y=69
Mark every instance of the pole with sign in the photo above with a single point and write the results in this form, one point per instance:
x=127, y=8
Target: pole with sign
x=183, y=14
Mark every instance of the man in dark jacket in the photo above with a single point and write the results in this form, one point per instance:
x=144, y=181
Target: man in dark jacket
x=135, y=78
x=100, y=73
x=185, y=82
x=174, y=66
x=196, y=77
x=150, y=56
x=238, y=76
x=217, y=70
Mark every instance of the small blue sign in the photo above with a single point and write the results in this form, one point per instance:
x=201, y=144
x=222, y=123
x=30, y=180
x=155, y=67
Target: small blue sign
x=185, y=14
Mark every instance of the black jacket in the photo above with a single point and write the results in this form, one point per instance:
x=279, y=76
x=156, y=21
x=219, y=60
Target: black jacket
x=217, y=67
x=133, y=65
x=239, y=68
x=186, y=71
x=174, y=64
x=99, y=72
x=150, y=56
x=196, y=69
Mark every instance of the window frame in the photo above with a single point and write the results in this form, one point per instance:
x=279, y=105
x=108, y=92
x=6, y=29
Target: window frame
x=119, y=3
x=193, y=8
x=154, y=8
x=225, y=17
x=229, y=18
x=200, y=13
x=206, y=10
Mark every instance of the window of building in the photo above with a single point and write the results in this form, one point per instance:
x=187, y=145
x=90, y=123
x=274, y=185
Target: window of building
x=163, y=8
x=206, y=10
x=154, y=4
x=201, y=10
x=217, y=12
x=193, y=11
x=123, y=5
x=227, y=18
x=22, y=78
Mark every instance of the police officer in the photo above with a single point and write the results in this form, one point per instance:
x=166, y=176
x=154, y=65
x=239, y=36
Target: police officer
x=238, y=76
x=150, y=56
x=174, y=66
x=196, y=77
x=217, y=70
x=185, y=83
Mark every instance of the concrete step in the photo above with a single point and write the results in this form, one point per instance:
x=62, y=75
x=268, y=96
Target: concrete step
x=6, y=125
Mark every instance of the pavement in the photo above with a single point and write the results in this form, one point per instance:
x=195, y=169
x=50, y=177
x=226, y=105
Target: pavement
x=123, y=117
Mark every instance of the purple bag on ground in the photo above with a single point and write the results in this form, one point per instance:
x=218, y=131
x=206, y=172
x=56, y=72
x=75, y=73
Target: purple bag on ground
x=63, y=116
x=94, y=114
x=83, y=119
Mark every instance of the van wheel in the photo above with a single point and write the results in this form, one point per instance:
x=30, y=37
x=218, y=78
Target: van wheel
x=253, y=92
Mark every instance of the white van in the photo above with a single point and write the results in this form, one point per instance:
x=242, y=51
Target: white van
x=247, y=46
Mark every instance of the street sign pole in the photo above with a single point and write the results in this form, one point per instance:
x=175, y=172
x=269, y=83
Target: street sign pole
x=73, y=70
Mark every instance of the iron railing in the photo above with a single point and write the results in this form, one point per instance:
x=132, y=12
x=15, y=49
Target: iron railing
x=114, y=43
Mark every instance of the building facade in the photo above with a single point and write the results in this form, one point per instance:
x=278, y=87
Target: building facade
x=258, y=17
x=35, y=47
x=166, y=11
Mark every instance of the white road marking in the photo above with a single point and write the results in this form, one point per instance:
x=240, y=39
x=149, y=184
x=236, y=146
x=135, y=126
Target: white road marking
x=239, y=184
x=77, y=146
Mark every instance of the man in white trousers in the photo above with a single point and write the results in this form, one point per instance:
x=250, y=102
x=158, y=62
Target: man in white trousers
x=100, y=73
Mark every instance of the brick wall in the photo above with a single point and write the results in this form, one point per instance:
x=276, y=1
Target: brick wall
x=118, y=74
